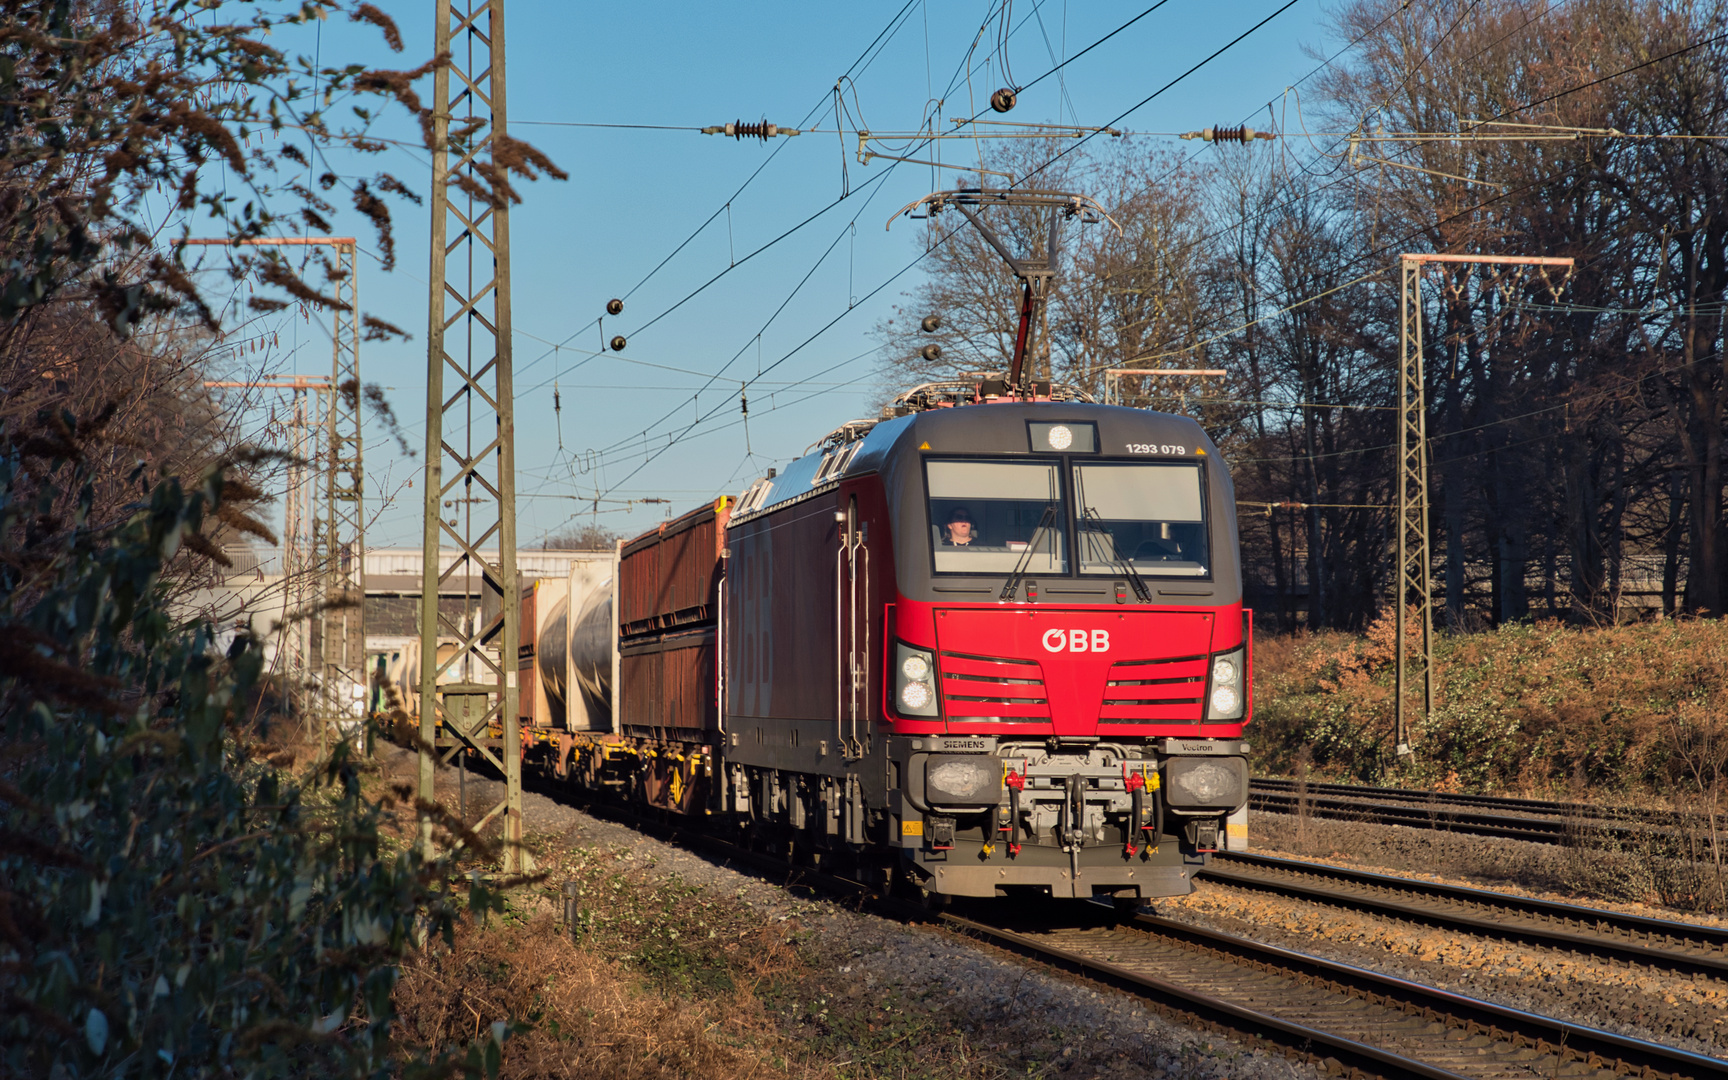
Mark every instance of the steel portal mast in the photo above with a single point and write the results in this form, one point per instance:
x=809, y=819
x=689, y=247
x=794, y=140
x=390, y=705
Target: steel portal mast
x=342, y=553
x=470, y=484
x=326, y=538
x=1411, y=576
x=301, y=583
x=1411, y=585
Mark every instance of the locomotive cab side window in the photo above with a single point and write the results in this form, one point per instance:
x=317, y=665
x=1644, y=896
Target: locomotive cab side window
x=1150, y=515
x=986, y=516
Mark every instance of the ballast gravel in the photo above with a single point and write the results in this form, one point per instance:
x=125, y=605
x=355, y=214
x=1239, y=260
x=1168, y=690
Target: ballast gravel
x=1684, y=1011
x=1005, y=1000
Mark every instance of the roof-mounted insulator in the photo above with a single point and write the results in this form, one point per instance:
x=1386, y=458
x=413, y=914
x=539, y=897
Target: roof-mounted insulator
x=738, y=129
x=1229, y=134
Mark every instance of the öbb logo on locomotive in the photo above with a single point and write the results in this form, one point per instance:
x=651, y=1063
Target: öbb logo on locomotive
x=982, y=646
x=1056, y=640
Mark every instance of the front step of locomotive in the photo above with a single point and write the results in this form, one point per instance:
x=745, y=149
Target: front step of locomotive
x=1070, y=818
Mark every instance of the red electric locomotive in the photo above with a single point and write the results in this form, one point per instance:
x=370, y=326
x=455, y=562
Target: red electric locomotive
x=987, y=645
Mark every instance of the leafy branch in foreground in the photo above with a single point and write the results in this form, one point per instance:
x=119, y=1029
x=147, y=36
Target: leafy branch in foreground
x=170, y=903
x=107, y=106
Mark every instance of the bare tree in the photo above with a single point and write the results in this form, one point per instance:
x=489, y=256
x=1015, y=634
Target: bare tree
x=1117, y=299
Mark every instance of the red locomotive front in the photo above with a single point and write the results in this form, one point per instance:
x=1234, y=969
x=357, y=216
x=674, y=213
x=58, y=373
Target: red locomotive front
x=992, y=647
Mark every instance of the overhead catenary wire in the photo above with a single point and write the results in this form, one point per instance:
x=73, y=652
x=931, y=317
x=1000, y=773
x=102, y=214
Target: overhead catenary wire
x=1563, y=406
x=882, y=176
x=1488, y=202
x=651, y=455
x=634, y=361
x=864, y=58
x=850, y=71
x=1196, y=67
x=1482, y=204
x=1472, y=209
x=738, y=262
x=1298, y=303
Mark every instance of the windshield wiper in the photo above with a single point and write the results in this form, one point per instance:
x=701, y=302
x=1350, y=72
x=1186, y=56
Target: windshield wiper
x=1013, y=584
x=1087, y=513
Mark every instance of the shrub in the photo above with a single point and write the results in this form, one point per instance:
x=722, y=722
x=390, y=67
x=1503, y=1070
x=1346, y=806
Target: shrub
x=1534, y=708
x=168, y=904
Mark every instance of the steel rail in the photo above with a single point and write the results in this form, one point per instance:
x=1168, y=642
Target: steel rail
x=1185, y=1005
x=1174, y=1000
x=1470, y=1031
x=1366, y=809
x=1517, y=1029
x=1484, y=802
x=1661, y=943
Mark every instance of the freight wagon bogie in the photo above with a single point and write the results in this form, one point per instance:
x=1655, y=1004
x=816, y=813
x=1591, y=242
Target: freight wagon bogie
x=981, y=650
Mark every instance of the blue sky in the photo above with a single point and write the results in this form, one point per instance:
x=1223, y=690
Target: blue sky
x=806, y=305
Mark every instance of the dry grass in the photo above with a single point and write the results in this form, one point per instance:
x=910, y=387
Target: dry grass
x=664, y=979
x=587, y=1016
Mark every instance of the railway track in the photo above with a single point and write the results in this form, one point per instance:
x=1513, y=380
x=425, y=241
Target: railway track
x=1502, y=803
x=1542, y=820
x=1673, y=946
x=1344, y=1018
x=1339, y=1018
x=1424, y=810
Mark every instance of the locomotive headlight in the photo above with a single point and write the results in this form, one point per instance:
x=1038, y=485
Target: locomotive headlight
x=1225, y=700
x=1227, y=693
x=915, y=696
x=914, y=681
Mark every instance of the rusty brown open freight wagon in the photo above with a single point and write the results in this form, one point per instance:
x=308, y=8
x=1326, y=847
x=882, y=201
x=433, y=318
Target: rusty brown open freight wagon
x=668, y=606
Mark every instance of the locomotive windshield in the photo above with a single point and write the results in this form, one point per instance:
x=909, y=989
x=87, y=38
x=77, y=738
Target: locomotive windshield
x=985, y=515
x=1149, y=515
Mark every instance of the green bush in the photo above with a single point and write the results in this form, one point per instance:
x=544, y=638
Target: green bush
x=169, y=905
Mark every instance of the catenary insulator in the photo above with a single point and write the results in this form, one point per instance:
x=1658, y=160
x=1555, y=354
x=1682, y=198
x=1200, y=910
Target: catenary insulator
x=931, y=324
x=614, y=307
x=618, y=343
x=1228, y=134
x=738, y=129
x=1003, y=99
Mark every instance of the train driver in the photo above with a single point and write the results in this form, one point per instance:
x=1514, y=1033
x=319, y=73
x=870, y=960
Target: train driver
x=959, y=528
